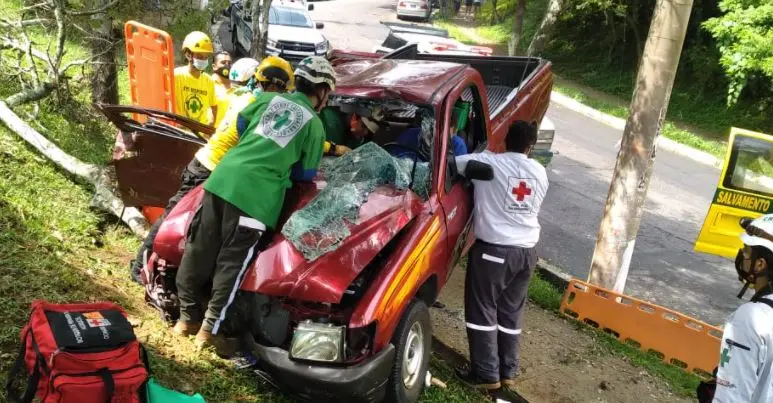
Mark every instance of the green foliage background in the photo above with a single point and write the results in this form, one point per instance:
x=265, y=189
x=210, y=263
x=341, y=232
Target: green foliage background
x=725, y=75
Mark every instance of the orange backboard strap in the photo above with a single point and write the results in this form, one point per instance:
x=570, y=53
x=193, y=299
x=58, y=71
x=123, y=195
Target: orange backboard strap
x=678, y=339
x=150, y=59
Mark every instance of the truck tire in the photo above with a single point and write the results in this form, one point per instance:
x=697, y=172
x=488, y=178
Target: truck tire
x=412, y=340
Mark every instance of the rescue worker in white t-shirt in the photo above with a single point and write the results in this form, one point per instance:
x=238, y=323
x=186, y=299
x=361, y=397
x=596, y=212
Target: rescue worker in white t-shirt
x=503, y=257
x=746, y=354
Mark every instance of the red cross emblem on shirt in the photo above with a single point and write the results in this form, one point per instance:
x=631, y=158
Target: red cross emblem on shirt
x=521, y=191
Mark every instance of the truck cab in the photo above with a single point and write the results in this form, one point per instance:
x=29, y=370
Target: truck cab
x=337, y=302
x=292, y=33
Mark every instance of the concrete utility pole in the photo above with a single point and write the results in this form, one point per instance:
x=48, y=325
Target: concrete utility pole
x=631, y=178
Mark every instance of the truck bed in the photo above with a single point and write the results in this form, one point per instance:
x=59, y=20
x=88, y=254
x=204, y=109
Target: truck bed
x=502, y=75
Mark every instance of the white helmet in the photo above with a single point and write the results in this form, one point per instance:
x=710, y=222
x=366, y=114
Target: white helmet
x=758, y=232
x=243, y=69
x=317, y=70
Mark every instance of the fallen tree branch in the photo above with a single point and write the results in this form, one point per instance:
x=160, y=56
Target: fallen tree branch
x=8, y=43
x=60, y=39
x=30, y=95
x=43, y=4
x=30, y=57
x=104, y=197
x=21, y=24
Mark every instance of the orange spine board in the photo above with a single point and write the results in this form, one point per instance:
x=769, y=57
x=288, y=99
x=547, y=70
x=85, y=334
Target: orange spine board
x=150, y=59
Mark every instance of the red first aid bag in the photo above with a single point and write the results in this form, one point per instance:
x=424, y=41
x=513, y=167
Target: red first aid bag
x=80, y=353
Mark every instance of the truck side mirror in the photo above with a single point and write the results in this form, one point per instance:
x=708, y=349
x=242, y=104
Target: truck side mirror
x=479, y=171
x=320, y=25
x=311, y=7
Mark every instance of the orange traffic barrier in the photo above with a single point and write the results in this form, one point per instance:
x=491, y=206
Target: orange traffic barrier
x=676, y=338
x=150, y=57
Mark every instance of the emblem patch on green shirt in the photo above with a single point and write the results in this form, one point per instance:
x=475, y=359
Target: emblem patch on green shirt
x=282, y=121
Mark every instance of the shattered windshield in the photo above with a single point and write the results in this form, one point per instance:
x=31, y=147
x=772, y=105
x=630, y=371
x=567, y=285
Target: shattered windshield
x=323, y=224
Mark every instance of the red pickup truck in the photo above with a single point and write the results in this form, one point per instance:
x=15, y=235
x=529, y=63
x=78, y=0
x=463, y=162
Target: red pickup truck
x=353, y=323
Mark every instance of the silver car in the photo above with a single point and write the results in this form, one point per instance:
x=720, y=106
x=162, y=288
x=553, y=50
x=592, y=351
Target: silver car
x=414, y=8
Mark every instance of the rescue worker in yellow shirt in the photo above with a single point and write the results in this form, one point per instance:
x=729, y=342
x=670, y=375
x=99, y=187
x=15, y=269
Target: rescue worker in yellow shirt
x=194, y=89
x=221, y=69
x=247, y=75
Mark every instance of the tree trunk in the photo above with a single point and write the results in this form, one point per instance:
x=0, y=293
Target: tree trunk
x=104, y=74
x=259, y=28
x=546, y=27
x=494, y=15
x=515, y=37
x=633, y=170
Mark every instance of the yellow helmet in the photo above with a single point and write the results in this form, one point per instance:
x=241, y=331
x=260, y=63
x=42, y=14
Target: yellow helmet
x=278, y=71
x=198, y=42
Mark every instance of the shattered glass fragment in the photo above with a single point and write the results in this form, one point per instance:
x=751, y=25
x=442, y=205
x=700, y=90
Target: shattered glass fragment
x=322, y=225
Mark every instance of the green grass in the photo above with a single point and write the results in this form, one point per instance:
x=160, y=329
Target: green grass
x=544, y=294
x=456, y=391
x=549, y=297
x=53, y=247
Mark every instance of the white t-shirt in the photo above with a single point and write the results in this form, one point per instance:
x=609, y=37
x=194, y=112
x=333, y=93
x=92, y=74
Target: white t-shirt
x=746, y=355
x=507, y=206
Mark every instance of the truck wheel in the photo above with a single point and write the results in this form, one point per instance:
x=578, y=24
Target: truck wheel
x=412, y=339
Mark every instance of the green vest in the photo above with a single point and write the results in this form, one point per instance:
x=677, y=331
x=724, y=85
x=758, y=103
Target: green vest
x=254, y=175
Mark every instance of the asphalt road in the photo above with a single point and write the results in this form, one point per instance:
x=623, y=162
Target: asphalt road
x=664, y=269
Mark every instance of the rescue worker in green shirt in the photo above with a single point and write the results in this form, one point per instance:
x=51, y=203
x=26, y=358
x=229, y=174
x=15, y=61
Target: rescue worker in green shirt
x=280, y=138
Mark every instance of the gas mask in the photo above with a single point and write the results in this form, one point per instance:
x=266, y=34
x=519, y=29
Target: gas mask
x=200, y=64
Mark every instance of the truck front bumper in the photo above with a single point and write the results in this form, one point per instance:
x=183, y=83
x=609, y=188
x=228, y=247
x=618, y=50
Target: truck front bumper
x=365, y=382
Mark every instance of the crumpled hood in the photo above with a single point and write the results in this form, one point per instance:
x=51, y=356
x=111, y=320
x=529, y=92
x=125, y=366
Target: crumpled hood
x=280, y=269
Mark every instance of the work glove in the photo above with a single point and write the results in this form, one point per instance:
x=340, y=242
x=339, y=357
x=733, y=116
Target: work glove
x=341, y=150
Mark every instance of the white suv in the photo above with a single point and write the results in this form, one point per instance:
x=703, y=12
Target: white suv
x=292, y=34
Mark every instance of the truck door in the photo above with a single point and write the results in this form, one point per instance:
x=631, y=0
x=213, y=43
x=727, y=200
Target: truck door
x=745, y=189
x=457, y=195
x=149, y=157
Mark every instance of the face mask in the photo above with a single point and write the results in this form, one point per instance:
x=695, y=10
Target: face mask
x=223, y=72
x=200, y=64
x=746, y=276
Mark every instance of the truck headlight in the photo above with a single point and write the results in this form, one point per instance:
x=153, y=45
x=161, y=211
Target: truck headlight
x=322, y=47
x=318, y=342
